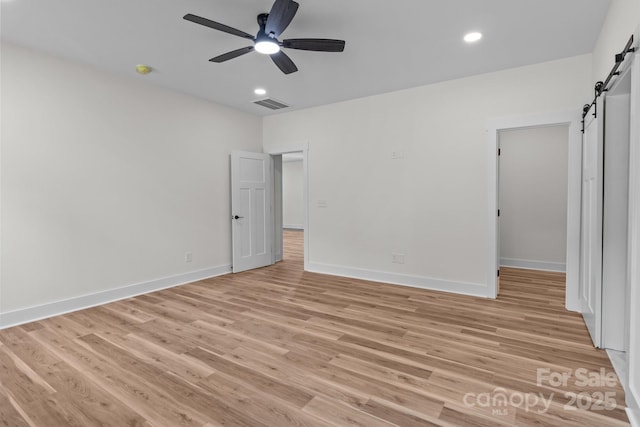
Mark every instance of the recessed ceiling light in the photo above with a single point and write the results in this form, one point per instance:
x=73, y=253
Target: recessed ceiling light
x=472, y=37
x=260, y=91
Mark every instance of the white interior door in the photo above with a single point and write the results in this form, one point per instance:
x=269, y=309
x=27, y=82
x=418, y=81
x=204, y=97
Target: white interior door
x=251, y=210
x=591, y=224
x=615, y=231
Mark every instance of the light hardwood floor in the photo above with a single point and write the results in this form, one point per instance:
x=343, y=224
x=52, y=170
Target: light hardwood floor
x=278, y=346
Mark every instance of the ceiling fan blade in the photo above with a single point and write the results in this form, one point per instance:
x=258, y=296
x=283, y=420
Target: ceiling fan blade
x=281, y=15
x=318, y=45
x=283, y=62
x=217, y=26
x=233, y=54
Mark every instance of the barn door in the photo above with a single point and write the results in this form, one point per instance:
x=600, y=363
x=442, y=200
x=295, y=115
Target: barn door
x=591, y=223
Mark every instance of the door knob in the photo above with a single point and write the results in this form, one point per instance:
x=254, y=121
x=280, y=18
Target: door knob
x=236, y=217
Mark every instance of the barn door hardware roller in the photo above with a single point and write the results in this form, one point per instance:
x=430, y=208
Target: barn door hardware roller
x=601, y=87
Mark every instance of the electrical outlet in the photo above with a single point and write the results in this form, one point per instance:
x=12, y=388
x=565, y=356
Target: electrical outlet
x=397, y=154
x=188, y=257
x=397, y=258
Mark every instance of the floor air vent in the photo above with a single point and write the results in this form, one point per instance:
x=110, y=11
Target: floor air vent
x=272, y=104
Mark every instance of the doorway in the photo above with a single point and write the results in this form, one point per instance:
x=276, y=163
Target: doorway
x=533, y=197
x=292, y=206
x=572, y=120
x=290, y=181
x=292, y=192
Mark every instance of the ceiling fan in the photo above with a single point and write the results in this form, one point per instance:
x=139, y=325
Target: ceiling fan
x=271, y=24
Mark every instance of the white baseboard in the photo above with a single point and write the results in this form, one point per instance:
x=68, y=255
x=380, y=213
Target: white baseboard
x=633, y=405
x=634, y=417
x=31, y=314
x=533, y=265
x=471, y=289
x=293, y=226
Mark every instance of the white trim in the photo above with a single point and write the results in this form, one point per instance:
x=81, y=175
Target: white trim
x=287, y=159
x=1, y=210
x=39, y=312
x=533, y=265
x=469, y=289
x=619, y=361
x=292, y=148
x=634, y=244
x=633, y=398
x=293, y=226
x=289, y=148
x=573, y=119
x=277, y=211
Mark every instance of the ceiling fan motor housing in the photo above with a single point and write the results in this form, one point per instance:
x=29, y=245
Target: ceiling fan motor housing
x=262, y=35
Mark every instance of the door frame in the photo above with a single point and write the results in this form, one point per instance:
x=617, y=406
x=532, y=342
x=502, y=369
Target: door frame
x=296, y=148
x=574, y=176
x=633, y=398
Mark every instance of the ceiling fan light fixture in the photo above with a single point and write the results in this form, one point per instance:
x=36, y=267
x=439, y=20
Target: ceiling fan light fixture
x=266, y=42
x=267, y=47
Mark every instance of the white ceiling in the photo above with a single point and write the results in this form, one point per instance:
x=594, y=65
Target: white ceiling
x=390, y=45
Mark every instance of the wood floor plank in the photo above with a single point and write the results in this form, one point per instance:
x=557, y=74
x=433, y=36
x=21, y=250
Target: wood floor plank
x=183, y=365
x=287, y=392
x=278, y=346
x=38, y=401
x=259, y=405
x=295, y=369
x=10, y=413
x=140, y=395
x=400, y=417
x=338, y=414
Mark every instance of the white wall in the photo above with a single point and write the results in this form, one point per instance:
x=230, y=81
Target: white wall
x=292, y=188
x=623, y=19
x=107, y=182
x=533, y=197
x=428, y=205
